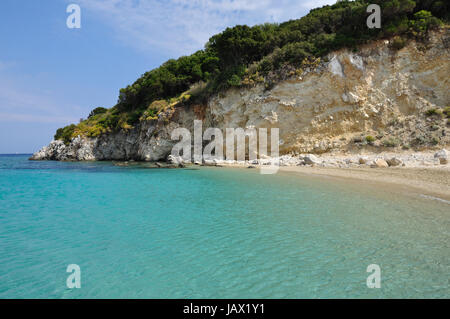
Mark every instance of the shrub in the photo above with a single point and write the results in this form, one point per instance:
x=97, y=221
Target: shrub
x=89, y=129
x=434, y=141
x=422, y=22
x=96, y=111
x=434, y=128
x=419, y=140
x=65, y=134
x=235, y=80
x=447, y=111
x=398, y=43
x=156, y=107
x=391, y=142
x=370, y=139
x=110, y=121
x=433, y=112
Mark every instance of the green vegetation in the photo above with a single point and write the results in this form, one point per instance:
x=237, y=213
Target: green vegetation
x=245, y=56
x=398, y=42
x=370, y=139
x=434, y=140
x=96, y=111
x=65, y=134
x=391, y=142
x=434, y=112
x=151, y=113
x=447, y=112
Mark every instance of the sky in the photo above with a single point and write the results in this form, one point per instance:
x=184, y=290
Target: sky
x=51, y=76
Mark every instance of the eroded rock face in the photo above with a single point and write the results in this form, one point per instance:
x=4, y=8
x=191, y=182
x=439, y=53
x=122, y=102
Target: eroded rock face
x=51, y=152
x=364, y=93
x=353, y=94
x=148, y=141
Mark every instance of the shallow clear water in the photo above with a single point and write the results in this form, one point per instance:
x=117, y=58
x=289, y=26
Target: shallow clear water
x=212, y=233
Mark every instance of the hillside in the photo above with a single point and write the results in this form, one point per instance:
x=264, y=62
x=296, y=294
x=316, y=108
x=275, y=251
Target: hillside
x=373, y=100
x=245, y=57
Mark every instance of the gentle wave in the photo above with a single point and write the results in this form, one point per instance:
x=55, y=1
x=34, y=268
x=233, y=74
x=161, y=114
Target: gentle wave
x=435, y=198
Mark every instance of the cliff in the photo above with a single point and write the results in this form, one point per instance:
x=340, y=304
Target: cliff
x=375, y=98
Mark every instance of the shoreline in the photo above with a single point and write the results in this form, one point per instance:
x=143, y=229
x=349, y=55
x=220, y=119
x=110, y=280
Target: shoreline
x=423, y=172
x=420, y=172
x=428, y=182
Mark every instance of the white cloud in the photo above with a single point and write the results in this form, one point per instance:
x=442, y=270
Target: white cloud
x=183, y=26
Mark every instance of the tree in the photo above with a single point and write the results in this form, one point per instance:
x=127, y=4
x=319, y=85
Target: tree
x=96, y=111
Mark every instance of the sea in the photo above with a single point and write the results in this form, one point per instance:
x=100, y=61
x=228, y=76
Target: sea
x=209, y=232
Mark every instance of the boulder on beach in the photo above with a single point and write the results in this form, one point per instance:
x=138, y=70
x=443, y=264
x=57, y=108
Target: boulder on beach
x=311, y=159
x=394, y=161
x=363, y=160
x=442, y=155
x=379, y=163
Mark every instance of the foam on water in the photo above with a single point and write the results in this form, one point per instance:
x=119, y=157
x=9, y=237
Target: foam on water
x=212, y=233
x=435, y=198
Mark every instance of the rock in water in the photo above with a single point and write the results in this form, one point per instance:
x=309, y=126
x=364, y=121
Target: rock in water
x=54, y=151
x=174, y=159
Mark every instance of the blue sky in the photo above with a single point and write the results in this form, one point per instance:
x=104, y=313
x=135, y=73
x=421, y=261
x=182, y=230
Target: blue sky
x=51, y=76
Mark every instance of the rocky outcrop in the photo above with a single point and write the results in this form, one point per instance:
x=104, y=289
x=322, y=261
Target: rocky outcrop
x=332, y=107
x=148, y=141
x=80, y=150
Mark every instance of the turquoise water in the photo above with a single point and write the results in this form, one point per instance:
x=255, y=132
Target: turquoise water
x=212, y=233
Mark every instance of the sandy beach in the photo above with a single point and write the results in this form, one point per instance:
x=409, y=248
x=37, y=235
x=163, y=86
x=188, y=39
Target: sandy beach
x=421, y=173
x=431, y=181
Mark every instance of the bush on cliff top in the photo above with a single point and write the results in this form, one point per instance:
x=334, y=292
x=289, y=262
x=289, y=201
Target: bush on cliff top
x=245, y=55
x=96, y=111
x=65, y=134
